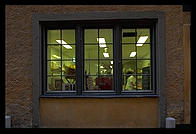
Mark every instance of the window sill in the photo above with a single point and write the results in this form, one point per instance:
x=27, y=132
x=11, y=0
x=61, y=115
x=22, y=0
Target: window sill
x=101, y=96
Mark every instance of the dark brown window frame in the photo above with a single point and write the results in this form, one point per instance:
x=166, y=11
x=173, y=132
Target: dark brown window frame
x=117, y=26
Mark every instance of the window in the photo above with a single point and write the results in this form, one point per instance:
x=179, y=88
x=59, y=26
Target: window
x=92, y=58
x=98, y=51
x=61, y=60
x=136, y=59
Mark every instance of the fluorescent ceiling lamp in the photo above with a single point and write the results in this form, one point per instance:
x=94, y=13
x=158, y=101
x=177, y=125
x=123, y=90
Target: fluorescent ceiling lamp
x=141, y=40
x=74, y=59
x=55, y=56
x=132, y=54
x=102, y=42
x=101, y=67
x=106, y=54
x=111, y=62
x=63, y=42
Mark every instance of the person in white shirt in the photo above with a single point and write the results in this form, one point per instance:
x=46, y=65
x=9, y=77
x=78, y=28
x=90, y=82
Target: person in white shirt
x=131, y=82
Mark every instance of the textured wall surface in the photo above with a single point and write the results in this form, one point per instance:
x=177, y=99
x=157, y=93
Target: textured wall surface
x=19, y=55
x=99, y=113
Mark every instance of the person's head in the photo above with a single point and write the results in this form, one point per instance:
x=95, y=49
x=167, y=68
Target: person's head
x=129, y=73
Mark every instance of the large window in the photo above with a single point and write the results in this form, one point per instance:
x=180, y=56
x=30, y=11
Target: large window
x=96, y=59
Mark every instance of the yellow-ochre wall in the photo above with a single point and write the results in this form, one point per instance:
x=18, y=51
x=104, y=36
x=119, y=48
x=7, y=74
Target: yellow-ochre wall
x=99, y=112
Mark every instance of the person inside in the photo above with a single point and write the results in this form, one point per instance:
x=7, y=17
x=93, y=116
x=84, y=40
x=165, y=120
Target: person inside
x=131, y=81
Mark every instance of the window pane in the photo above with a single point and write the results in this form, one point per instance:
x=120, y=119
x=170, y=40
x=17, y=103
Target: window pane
x=144, y=82
x=68, y=52
x=106, y=52
x=68, y=75
x=54, y=67
x=107, y=34
x=68, y=36
x=90, y=36
x=91, y=67
x=128, y=66
x=104, y=82
x=143, y=66
x=68, y=67
x=128, y=35
x=54, y=83
x=69, y=83
x=105, y=67
x=54, y=52
x=90, y=82
x=128, y=51
x=91, y=51
x=143, y=51
x=129, y=82
x=143, y=32
x=52, y=36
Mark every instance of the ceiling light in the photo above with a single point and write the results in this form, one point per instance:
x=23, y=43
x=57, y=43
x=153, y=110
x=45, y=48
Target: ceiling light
x=101, y=67
x=74, y=59
x=102, y=42
x=111, y=62
x=55, y=56
x=106, y=54
x=110, y=66
x=63, y=42
x=141, y=40
x=132, y=54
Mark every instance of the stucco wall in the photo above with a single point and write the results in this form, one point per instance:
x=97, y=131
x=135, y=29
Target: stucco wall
x=19, y=55
x=99, y=113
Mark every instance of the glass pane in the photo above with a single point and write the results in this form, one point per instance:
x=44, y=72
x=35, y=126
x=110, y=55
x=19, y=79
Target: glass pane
x=91, y=51
x=90, y=36
x=54, y=67
x=143, y=33
x=54, y=52
x=90, y=82
x=144, y=82
x=107, y=34
x=104, y=82
x=54, y=83
x=143, y=66
x=69, y=83
x=52, y=36
x=143, y=51
x=68, y=67
x=68, y=36
x=128, y=51
x=128, y=35
x=91, y=67
x=105, y=67
x=129, y=82
x=68, y=52
x=128, y=66
x=106, y=52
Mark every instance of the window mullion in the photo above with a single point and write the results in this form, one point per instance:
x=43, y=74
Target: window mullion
x=117, y=60
x=79, y=60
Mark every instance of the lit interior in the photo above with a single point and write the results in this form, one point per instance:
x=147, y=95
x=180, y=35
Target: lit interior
x=98, y=55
